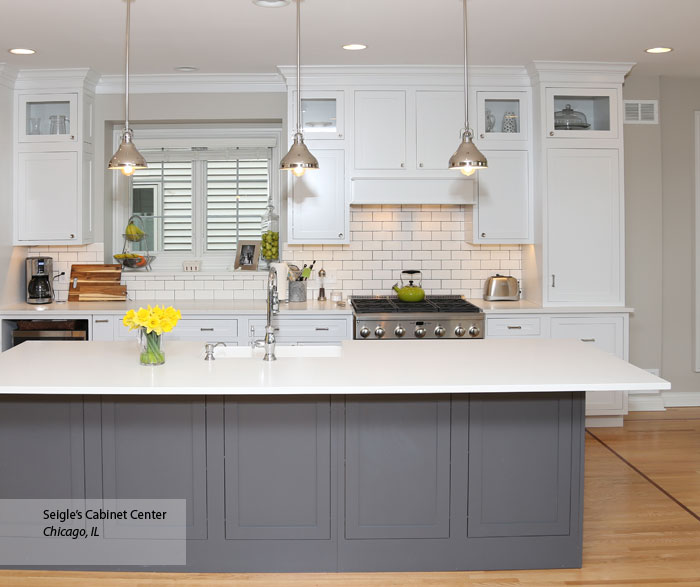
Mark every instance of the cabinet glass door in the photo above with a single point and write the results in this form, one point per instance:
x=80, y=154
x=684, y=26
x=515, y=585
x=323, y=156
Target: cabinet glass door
x=502, y=116
x=581, y=113
x=321, y=115
x=49, y=117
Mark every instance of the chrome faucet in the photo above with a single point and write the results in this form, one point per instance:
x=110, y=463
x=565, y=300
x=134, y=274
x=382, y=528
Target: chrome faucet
x=273, y=307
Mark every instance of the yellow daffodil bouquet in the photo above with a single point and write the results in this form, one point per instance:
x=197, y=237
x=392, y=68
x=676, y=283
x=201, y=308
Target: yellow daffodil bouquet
x=152, y=322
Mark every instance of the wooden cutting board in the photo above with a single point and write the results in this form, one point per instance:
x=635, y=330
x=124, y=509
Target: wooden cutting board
x=96, y=283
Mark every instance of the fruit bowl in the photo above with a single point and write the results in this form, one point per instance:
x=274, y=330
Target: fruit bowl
x=136, y=261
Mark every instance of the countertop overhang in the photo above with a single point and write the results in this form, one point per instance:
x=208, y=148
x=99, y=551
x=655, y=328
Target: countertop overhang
x=363, y=367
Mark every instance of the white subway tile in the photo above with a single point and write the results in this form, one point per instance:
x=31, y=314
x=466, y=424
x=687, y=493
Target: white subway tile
x=154, y=285
x=393, y=245
x=223, y=294
x=184, y=295
x=214, y=285
x=194, y=285
x=401, y=255
x=204, y=294
x=411, y=245
x=429, y=245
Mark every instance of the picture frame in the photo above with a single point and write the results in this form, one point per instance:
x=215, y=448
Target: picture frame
x=247, y=255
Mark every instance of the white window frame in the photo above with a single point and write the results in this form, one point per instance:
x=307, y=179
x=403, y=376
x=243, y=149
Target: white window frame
x=180, y=136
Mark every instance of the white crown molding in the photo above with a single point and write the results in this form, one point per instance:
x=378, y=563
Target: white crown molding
x=589, y=72
x=404, y=75
x=193, y=83
x=57, y=80
x=8, y=75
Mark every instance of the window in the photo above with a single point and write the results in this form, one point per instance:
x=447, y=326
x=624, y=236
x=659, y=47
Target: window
x=199, y=196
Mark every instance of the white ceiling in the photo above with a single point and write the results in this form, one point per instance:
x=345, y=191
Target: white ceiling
x=235, y=36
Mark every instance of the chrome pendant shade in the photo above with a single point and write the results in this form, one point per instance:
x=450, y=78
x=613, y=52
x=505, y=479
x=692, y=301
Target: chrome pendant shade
x=127, y=157
x=467, y=158
x=298, y=159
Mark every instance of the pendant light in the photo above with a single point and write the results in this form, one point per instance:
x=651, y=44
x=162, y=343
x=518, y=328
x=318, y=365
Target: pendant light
x=127, y=158
x=299, y=158
x=467, y=158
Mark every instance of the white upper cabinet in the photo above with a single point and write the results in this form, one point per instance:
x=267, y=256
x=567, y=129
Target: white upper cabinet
x=380, y=130
x=584, y=234
x=317, y=210
x=322, y=115
x=502, y=116
x=503, y=214
x=439, y=119
x=46, y=118
x=582, y=113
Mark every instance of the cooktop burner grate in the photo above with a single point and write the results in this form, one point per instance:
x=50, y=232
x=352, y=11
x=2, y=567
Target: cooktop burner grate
x=392, y=305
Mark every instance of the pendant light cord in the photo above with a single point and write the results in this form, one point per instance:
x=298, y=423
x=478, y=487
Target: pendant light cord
x=466, y=73
x=126, y=76
x=298, y=66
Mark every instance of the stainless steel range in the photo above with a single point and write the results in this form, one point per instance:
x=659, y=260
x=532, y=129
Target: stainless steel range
x=435, y=317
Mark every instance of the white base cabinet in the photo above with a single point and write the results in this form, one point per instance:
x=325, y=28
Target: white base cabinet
x=609, y=332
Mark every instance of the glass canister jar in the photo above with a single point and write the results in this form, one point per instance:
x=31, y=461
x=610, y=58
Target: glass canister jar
x=270, y=250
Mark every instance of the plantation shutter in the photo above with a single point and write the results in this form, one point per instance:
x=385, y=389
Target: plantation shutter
x=236, y=199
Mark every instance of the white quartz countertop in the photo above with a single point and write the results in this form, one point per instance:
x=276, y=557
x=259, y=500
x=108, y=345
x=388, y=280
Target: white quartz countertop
x=528, y=307
x=363, y=367
x=189, y=307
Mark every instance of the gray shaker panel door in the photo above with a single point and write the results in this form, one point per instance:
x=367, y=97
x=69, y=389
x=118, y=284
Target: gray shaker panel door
x=397, y=467
x=278, y=468
x=155, y=448
x=41, y=448
x=520, y=464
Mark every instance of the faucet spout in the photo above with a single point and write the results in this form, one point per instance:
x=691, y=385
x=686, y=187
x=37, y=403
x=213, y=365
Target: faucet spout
x=273, y=307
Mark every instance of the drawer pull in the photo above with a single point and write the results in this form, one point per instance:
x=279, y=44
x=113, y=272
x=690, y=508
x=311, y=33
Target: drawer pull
x=206, y=329
x=515, y=327
x=326, y=329
x=101, y=321
x=588, y=340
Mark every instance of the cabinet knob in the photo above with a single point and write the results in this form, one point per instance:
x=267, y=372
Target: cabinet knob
x=551, y=133
x=483, y=136
x=483, y=235
x=554, y=280
x=340, y=136
x=402, y=165
x=340, y=235
x=72, y=236
x=420, y=165
x=72, y=137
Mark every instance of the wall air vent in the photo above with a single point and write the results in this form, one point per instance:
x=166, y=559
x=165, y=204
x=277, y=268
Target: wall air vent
x=641, y=112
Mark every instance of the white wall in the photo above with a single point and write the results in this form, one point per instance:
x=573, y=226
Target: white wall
x=11, y=258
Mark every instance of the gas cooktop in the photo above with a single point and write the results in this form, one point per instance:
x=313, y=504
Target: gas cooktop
x=431, y=304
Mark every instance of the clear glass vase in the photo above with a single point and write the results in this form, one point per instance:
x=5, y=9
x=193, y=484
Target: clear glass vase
x=151, y=348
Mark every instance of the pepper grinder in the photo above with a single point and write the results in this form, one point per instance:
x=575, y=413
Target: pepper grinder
x=321, y=289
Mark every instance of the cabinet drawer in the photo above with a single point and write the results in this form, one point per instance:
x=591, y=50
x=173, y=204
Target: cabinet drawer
x=191, y=329
x=103, y=328
x=501, y=327
x=302, y=330
x=606, y=333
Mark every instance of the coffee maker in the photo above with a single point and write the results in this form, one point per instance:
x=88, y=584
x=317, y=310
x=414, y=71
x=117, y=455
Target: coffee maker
x=39, y=280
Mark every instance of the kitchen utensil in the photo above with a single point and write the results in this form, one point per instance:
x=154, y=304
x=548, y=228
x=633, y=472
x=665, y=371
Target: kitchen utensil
x=570, y=119
x=39, y=280
x=34, y=126
x=294, y=272
x=410, y=292
x=58, y=124
x=336, y=296
x=96, y=283
x=510, y=122
x=501, y=288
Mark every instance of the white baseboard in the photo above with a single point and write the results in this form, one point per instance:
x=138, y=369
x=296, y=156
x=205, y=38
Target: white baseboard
x=646, y=402
x=604, y=421
x=681, y=399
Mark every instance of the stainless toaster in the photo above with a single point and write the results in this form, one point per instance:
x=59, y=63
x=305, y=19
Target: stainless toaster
x=501, y=288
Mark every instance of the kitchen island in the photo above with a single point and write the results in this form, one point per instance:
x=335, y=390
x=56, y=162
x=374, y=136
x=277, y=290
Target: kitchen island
x=397, y=455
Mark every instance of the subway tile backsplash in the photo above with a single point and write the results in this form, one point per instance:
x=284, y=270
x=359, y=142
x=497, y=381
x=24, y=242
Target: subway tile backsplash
x=384, y=241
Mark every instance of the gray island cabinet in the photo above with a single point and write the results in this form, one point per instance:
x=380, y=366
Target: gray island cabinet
x=392, y=476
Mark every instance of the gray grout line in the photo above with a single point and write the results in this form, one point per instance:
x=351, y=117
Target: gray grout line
x=646, y=477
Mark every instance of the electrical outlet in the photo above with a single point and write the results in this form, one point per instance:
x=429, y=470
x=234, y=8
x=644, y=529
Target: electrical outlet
x=190, y=266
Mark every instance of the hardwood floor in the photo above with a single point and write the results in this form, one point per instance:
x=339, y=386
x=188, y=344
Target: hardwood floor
x=641, y=526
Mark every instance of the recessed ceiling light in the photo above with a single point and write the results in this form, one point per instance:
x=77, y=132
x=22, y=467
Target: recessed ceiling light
x=271, y=3
x=186, y=68
x=659, y=50
x=354, y=47
x=20, y=51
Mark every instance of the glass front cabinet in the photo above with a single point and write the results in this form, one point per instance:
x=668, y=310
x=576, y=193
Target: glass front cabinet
x=502, y=116
x=322, y=115
x=582, y=113
x=48, y=118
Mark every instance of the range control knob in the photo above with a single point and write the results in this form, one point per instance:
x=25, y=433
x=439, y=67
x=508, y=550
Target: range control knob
x=379, y=332
x=460, y=331
x=439, y=331
x=420, y=332
x=474, y=331
x=364, y=332
x=399, y=331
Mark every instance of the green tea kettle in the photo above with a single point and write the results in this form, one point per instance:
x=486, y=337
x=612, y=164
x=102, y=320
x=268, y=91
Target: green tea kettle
x=410, y=292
